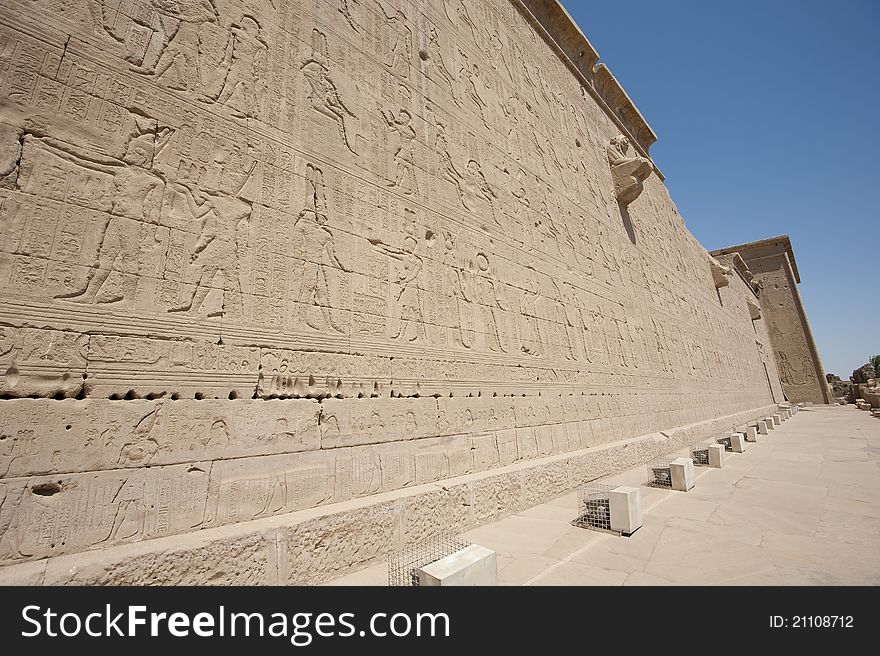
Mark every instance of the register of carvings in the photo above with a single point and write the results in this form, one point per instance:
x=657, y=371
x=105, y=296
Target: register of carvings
x=258, y=257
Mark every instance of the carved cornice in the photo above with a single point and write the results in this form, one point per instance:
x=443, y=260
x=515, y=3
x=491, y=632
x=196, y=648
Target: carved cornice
x=756, y=250
x=735, y=262
x=553, y=22
x=623, y=107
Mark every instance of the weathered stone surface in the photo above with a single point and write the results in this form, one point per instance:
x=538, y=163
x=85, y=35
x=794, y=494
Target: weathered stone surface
x=840, y=389
x=244, y=560
x=780, y=309
x=315, y=545
x=264, y=259
x=864, y=373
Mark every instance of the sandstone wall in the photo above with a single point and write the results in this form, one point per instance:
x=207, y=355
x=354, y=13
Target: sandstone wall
x=262, y=257
x=771, y=261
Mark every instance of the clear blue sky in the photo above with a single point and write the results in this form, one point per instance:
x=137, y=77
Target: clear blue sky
x=767, y=113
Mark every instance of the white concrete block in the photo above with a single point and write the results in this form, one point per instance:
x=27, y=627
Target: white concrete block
x=777, y=420
x=626, y=509
x=473, y=565
x=751, y=434
x=737, y=442
x=683, y=475
x=716, y=455
x=762, y=427
x=770, y=425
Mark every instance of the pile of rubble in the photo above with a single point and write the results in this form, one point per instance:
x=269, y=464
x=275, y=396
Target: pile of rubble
x=862, y=388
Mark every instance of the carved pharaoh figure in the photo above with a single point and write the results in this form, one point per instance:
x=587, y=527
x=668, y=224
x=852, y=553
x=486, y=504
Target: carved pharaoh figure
x=435, y=63
x=531, y=342
x=243, y=81
x=404, y=157
x=407, y=302
x=628, y=172
x=221, y=245
x=461, y=321
x=345, y=9
x=135, y=205
x=321, y=90
x=469, y=74
x=476, y=190
x=400, y=52
x=172, y=53
x=489, y=303
x=316, y=252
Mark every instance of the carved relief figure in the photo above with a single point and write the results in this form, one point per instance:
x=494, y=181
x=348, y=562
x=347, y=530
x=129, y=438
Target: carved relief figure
x=344, y=8
x=461, y=321
x=400, y=52
x=531, y=341
x=10, y=155
x=404, y=157
x=316, y=252
x=244, y=77
x=221, y=245
x=469, y=75
x=807, y=368
x=628, y=172
x=322, y=92
x=406, y=301
x=786, y=373
x=487, y=298
x=456, y=10
x=476, y=189
x=448, y=170
x=142, y=445
x=172, y=52
x=435, y=66
x=131, y=512
x=135, y=204
x=566, y=322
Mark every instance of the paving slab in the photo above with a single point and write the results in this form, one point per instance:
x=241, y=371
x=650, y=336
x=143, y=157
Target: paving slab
x=801, y=507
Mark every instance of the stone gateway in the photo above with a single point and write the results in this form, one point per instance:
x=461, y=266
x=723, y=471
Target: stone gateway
x=262, y=262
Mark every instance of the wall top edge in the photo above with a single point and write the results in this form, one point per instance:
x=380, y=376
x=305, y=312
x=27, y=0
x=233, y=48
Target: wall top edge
x=755, y=250
x=583, y=57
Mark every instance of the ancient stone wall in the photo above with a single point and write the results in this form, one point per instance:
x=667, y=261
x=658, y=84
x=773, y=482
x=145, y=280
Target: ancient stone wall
x=261, y=257
x=772, y=263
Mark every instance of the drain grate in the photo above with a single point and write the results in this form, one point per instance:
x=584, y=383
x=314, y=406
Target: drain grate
x=661, y=476
x=700, y=453
x=594, y=507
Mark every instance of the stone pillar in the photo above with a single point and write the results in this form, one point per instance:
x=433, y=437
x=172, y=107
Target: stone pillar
x=473, y=565
x=625, y=505
x=716, y=455
x=737, y=442
x=682, y=473
x=751, y=434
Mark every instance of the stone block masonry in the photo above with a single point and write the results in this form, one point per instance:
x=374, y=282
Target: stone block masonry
x=261, y=260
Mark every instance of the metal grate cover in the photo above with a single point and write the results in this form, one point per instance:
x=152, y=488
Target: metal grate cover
x=700, y=453
x=660, y=474
x=594, y=508
x=404, y=565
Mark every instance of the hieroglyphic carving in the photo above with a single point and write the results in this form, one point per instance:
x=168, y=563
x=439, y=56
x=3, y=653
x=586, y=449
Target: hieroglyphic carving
x=316, y=254
x=404, y=157
x=321, y=91
x=308, y=262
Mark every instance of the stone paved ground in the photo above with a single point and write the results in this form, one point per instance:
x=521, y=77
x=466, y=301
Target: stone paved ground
x=799, y=507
